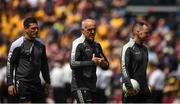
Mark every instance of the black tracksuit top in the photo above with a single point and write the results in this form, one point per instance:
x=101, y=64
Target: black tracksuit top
x=134, y=62
x=83, y=69
x=28, y=58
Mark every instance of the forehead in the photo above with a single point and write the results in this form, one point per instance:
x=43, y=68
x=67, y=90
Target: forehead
x=90, y=24
x=145, y=28
x=33, y=25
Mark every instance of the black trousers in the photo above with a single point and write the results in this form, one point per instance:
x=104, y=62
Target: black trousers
x=83, y=96
x=60, y=95
x=3, y=93
x=139, y=98
x=30, y=92
x=157, y=96
x=100, y=96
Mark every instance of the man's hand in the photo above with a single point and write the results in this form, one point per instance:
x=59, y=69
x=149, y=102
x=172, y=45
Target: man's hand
x=96, y=59
x=102, y=61
x=46, y=88
x=131, y=92
x=99, y=60
x=11, y=90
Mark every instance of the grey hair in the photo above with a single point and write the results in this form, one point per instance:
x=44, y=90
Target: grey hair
x=83, y=24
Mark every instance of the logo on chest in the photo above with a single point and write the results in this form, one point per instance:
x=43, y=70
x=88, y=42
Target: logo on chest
x=87, y=49
x=138, y=53
x=137, y=56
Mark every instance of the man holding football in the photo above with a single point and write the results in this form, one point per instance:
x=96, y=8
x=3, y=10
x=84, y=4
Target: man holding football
x=134, y=60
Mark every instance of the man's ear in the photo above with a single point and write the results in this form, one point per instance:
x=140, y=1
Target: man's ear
x=25, y=27
x=82, y=29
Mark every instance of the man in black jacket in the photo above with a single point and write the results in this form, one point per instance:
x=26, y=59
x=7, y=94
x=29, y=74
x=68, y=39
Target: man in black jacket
x=134, y=64
x=27, y=56
x=86, y=54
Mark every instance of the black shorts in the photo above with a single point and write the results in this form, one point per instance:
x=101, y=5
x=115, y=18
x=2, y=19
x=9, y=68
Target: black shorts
x=30, y=92
x=83, y=96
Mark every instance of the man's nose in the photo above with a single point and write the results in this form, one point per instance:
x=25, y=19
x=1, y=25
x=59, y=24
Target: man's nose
x=93, y=31
x=35, y=30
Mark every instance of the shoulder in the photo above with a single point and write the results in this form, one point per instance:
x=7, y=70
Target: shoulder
x=97, y=43
x=145, y=47
x=17, y=43
x=128, y=45
x=39, y=41
x=78, y=41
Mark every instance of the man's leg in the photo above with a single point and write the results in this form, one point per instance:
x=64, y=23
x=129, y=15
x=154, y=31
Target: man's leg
x=82, y=96
x=38, y=95
x=139, y=98
x=23, y=92
x=59, y=97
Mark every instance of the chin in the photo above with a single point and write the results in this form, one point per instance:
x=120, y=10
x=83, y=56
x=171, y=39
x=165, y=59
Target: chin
x=92, y=40
x=33, y=37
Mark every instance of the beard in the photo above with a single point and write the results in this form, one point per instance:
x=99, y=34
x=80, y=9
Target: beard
x=33, y=35
x=89, y=40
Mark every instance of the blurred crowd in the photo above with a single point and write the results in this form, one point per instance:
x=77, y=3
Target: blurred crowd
x=60, y=24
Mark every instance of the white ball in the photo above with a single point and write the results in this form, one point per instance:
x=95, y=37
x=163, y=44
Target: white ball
x=135, y=85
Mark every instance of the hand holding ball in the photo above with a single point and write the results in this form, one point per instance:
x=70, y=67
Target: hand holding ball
x=136, y=87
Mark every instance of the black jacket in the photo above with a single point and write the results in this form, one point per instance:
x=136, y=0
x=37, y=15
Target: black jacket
x=134, y=64
x=83, y=69
x=28, y=58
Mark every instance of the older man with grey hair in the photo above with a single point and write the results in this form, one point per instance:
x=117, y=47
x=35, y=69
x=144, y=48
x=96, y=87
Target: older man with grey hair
x=86, y=54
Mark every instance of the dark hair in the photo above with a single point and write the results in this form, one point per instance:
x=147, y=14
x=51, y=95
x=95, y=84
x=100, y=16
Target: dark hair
x=141, y=23
x=29, y=20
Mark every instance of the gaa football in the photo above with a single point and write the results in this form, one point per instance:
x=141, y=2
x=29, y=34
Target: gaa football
x=135, y=85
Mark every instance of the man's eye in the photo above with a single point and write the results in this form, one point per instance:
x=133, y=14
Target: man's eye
x=147, y=33
x=91, y=29
x=34, y=28
x=88, y=29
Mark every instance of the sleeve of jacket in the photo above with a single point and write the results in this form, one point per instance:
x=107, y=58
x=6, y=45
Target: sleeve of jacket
x=75, y=60
x=125, y=63
x=44, y=66
x=105, y=66
x=11, y=63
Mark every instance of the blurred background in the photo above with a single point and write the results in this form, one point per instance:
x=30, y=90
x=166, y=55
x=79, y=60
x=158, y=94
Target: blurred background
x=60, y=24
